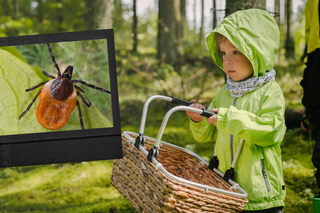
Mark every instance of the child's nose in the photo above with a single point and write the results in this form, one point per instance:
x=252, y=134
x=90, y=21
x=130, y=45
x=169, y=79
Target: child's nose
x=227, y=60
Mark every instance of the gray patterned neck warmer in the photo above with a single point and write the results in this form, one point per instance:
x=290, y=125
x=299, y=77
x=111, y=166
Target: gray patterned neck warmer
x=240, y=88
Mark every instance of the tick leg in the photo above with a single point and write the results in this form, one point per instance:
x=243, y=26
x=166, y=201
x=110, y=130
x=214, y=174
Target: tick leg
x=80, y=115
x=91, y=86
x=35, y=87
x=48, y=74
x=81, y=90
x=85, y=100
x=53, y=59
x=29, y=106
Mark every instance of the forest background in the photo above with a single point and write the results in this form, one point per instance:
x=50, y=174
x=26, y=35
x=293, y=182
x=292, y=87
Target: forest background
x=158, y=51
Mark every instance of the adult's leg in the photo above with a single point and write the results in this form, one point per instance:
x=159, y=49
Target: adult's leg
x=316, y=158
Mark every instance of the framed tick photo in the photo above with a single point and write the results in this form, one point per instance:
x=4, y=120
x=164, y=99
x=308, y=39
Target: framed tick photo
x=58, y=98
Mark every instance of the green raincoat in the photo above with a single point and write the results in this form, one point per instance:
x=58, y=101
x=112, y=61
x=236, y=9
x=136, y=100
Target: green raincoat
x=257, y=117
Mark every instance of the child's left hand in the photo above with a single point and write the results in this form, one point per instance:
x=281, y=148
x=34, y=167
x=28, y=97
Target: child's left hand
x=213, y=119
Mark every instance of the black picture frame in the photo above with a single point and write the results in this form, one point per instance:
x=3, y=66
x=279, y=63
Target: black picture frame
x=66, y=146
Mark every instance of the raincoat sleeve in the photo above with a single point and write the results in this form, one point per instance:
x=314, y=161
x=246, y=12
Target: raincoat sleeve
x=203, y=131
x=265, y=128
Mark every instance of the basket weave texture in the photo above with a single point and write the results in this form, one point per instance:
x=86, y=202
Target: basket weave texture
x=150, y=190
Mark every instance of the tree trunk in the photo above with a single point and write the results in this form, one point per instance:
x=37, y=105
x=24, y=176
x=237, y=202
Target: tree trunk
x=40, y=11
x=6, y=7
x=214, y=13
x=170, y=47
x=289, y=42
x=184, y=23
x=134, y=26
x=16, y=6
x=235, y=5
x=194, y=15
x=201, y=33
x=99, y=15
x=105, y=15
x=93, y=14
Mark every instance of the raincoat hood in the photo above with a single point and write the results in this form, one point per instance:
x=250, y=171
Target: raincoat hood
x=255, y=33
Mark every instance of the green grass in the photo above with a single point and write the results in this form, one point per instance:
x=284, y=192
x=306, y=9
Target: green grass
x=80, y=187
x=298, y=171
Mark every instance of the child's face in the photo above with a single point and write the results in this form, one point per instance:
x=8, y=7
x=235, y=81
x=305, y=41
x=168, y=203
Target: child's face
x=235, y=64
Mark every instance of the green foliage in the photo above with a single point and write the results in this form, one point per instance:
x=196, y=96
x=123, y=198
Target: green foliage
x=29, y=17
x=11, y=26
x=299, y=35
x=147, y=33
x=146, y=28
x=145, y=77
x=192, y=46
x=122, y=25
x=289, y=77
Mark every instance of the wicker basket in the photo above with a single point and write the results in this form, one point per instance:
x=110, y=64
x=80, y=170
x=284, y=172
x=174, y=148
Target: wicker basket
x=177, y=180
x=150, y=190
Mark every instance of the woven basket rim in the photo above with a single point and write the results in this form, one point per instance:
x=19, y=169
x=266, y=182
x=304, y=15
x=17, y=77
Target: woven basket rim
x=164, y=144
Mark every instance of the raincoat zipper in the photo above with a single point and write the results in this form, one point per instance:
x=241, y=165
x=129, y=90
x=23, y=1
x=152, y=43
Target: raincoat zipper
x=264, y=173
x=231, y=136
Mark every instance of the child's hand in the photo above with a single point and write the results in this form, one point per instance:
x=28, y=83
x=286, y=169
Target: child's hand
x=196, y=117
x=213, y=118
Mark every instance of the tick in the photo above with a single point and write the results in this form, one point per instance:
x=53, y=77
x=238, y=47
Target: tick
x=58, y=97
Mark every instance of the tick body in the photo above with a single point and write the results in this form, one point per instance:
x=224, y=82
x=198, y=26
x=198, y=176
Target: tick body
x=52, y=113
x=58, y=98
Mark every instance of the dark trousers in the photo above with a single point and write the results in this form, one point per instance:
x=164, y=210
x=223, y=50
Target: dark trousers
x=272, y=210
x=316, y=157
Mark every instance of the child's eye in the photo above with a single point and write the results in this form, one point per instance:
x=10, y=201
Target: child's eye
x=223, y=53
x=236, y=52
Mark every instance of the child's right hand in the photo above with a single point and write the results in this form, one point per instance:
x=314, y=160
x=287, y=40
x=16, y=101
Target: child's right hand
x=196, y=117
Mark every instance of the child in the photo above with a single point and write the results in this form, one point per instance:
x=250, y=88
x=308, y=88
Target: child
x=250, y=106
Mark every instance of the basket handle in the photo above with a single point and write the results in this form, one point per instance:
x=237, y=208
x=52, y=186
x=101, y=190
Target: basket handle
x=140, y=139
x=153, y=153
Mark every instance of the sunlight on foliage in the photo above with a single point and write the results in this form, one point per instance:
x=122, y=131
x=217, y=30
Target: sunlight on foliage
x=292, y=90
x=9, y=26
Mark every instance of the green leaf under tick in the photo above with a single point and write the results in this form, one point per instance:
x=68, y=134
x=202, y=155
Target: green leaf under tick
x=15, y=77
